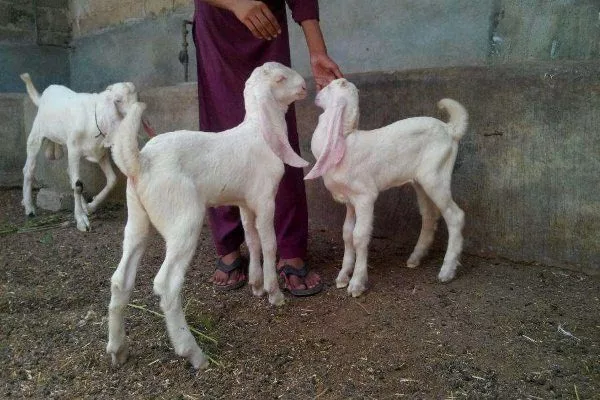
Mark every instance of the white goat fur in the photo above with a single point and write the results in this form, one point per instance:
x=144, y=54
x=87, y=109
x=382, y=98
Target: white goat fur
x=74, y=120
x=356, y=165
x=178, y=174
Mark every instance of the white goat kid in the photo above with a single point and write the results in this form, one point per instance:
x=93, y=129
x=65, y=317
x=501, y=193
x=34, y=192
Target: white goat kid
x=356, y=165
x=178, y=174
x=83, y=122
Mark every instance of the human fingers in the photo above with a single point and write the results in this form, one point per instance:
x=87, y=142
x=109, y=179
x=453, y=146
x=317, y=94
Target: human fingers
x=272, y=21
x=252, y=29
x=260, y=27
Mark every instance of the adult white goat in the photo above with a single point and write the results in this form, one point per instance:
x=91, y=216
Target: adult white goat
x=178, y=174
x=83, y=122
x=356, y=165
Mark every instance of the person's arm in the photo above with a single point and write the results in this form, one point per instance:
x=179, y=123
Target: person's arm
x=254, y=14
x=324, y=69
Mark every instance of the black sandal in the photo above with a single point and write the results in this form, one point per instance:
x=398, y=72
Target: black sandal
x=287, y=270
x=238, y=264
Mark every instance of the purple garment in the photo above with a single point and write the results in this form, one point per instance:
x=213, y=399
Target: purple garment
x=227, y=53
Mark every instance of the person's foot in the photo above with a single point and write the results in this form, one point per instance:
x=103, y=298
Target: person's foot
x=231, y=272
x=298, y=280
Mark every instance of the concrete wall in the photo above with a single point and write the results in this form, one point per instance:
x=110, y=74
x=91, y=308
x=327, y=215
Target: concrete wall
x=114, y=28
x=34, y=36
x=361, y=36
x=90, y=16
x=45, y=22
x=146, y=63
x=13, y=108
x=528, y=71
x=527, y=170
x=412, y=34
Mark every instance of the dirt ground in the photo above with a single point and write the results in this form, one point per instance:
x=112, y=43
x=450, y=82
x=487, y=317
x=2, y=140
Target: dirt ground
x=500, y=330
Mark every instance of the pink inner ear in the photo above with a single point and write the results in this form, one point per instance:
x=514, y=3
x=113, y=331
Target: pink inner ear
x=148, y=129
x=335, y=145
x=278, y=143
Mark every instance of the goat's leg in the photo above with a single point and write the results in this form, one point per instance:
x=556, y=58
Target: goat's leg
x=34, y=142
x=361, y=236
x=429, y=216
x=182, y=239
x=83, y=224
x=123, y=279
x=255, y=273
x=455, y=218
x=266, y=232
x=349, y=253
x=111, y=181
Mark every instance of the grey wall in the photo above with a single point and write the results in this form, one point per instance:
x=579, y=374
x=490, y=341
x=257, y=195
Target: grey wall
x=34, y=39
x=411, y=34
x=13, y=135
x=527, y=169
x=45, y=64
x=528, y=71
x=398, y=35
x=366, y=36
x=361, y=36
x=145, y=53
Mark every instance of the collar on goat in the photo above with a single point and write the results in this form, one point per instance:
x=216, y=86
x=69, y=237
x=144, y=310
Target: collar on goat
x=147, y=128
x=97, y=126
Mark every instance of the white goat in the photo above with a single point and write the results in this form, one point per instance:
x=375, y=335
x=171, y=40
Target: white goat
x=178, y=174
x=356, y=165
x=84, y=123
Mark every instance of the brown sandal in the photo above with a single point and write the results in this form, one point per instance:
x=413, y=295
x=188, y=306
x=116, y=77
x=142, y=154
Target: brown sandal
x=284, y=278
x=238, y=264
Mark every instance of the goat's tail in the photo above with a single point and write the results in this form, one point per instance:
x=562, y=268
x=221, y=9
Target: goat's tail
x=31, y=90
x=124, y=141
x=458, y=117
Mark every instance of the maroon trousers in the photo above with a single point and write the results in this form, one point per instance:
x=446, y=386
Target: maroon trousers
x=227, y=53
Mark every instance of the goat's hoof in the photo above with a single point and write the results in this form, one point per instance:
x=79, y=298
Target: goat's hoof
x=199, y=360
x=83, y=224
x=277, y=299
x=119, y=357
x=258, y=291
x=31, y=214
x=413, y=261
x=446, y=275
x=356, y=289
x=341, y=283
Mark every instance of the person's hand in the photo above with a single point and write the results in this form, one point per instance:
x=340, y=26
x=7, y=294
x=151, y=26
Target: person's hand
x=324, y=69
x=257, y=17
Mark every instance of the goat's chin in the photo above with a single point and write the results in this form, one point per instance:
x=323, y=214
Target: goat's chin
x=124, y=110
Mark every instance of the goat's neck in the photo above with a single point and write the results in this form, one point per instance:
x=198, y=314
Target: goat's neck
x=257, y=105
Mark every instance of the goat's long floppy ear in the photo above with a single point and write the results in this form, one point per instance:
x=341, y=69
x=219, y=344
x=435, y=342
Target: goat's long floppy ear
x=279, y=143
x=107, y=118
x=335, y=145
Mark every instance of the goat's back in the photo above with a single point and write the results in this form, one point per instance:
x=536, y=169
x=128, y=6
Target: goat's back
x=218, y=164
x=397, y=153
x=64, y=103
